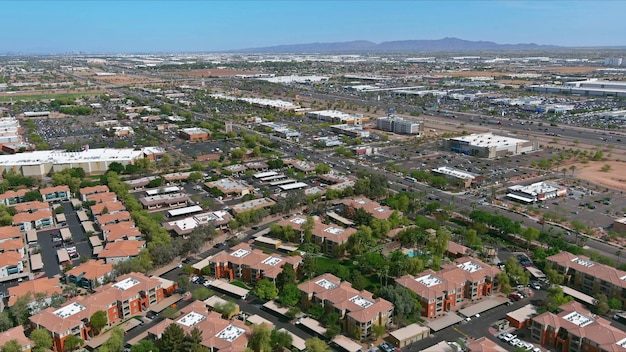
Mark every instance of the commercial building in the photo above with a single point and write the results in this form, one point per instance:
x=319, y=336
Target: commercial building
x=185, y=226
x=358, y=310
x=195, y=134
x=254, y=204
x=41, y=163
x=399, y=125
x=458, y=177
x=589, y=277
x=328, y=237
x=442, y=291
x=218, y=334
x=130, y=295
x=230, y=187
x=170, y=200
x=590, y=87
x=536, y=192
x=335, y=116
x=489, y=145
x=619, y=225
x=250, y=265
x=576, y=329
x=120, y=131
x=354, y=131
x=281, y=130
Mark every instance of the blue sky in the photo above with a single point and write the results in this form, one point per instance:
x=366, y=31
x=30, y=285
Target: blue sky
x=184, y=26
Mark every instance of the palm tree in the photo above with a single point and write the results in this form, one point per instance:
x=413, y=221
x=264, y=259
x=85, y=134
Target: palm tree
x=572, y=169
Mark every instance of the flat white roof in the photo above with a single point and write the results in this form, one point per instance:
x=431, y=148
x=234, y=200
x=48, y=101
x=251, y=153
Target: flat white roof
x=585, y=263
x=489, y=140
x=536, y=188
x=69, y=310
x=450, y=171
x=240, y=253
x=429, y=280
x=191, y=319
x=62, y=157
x=163, y=190
x=361, y=301
x=185, y=211
x=272, y=261
x=126, y=283
x=230, y=333
x=326, y=284
x=578, y=319
x=265, y=174
x=293, y=186
x=470, y=267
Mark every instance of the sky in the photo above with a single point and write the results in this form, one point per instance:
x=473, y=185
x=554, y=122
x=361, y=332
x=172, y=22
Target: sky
x=118, y=26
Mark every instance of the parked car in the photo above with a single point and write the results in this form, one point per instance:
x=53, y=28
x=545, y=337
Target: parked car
x=386, y=347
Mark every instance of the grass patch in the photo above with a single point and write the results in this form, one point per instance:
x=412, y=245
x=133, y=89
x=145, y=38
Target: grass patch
x=15, y=97
x=241, y=284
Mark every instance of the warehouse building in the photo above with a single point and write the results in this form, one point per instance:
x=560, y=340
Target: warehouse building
x=195, y=134
x=335, y=116
x=489, y=145
x=355, y=131
x=588, y=87
x=94, y=161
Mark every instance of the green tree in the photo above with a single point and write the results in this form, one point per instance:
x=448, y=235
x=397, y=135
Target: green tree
x=266, y=289
x=378, y=331
x=315, y=344
x=116, y=167
x=72, y=342
x=615, y=304
x=504, y=282
x=5, y=321
x=280, y=340
x=183, y=282
x=287, y=276
x=321, y=169
x=260, y=341
x=201, y=293
x=193, y=340
x=556, y=298
x=98, y=320
x=144, y=346
x=289, y=295
x=11, y=346
x=115, y=342
x=19, y=310
x=42, y=340
x=172, y=339
x=530, y=234
x=601, y=304
x=227, y=309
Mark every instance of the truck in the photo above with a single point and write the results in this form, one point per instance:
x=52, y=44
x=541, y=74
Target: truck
x=494, y=122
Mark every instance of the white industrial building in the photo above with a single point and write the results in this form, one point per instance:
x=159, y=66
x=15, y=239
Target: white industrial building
x=489, y=145
x=281, y=130
x=536, y=192
x=398, y=125
x=355, y=131
x=94, y=161
x=588, y=87
x=336, y=116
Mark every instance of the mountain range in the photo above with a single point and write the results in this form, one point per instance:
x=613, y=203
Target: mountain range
x=401, y=46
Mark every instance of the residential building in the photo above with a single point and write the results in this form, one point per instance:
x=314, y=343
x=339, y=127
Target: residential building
x=107, y=219
x=117, y=251
x=107, y=208
x=120, y=231
x=576, y=329
x=31, y=207
x=195, y=134
x=55, y=194
x=483, y=344
x=442, y=291
x=381, y=212
x=86, y=191
x=358, y=310
x=589, y=277
x=17, y=334
x=36, y=220
x=327, y=236
x=102, y=197
x=218, y=334
x=13, y=197
x=46, y=287
x=130, y=295
x=90, y=274
x=10, y=233
x=250, y=265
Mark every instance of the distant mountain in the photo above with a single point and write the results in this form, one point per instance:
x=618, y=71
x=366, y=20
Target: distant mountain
x=402, y=46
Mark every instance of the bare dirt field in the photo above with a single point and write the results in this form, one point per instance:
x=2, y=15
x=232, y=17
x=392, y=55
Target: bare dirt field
x=123, y=79
x=212, y=73
x=473, y=74
x=614, y=178
x=573, y=69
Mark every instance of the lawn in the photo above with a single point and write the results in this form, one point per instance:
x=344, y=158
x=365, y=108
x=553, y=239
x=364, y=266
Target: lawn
x=241, y=284
x=16, y=97
x=331, y=265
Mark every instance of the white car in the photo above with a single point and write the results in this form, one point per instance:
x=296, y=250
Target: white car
x=514, y=342
x=207, y=283
x=508, y=337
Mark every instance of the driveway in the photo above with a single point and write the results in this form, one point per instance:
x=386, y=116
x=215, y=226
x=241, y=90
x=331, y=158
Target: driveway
x=78, y=235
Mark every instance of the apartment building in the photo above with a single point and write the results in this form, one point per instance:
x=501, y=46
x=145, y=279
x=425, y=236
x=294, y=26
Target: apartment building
x=327, y=236
x=130, y=295
x=90, y=274
x=86, y=191
x=55, y=194
x=102, y=197
x=373, y=208
x=120, y=231
x=17, y=334
x=13, y=197
x=358, y=311
x=31, y=207
x=107, y=208
x=587, y=276
x=35, y=220
x=439, y=292
x=117, y=251
x=576, y=329
x=115, y=218
x=218, y=334
x=250, y=265
x=46, y=287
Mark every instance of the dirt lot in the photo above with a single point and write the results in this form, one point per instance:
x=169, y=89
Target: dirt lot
x=211, y=73
x=123, y=79
x=615, y=178
x=575, y=69
x=473, y=74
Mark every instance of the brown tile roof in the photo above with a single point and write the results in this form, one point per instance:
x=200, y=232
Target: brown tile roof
x=483, y=344
x=12, y=245
x=49, y=286
x=14, y=194
x=28, y=217
x=116, y=292
x=457, y=249
x=332, y=232
x=56, y=189
x=430, y=284
x=31, y=206
x=112, y=207
x=10, y=258
x=102, y=197
x=95, y=189
x=127, y=248
x=8, y=232
x=270, y=264
x=374, y=208
x=121, y=231
x=120, y=216
x=584, y=264
x=16, y=333
x=92, y=269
